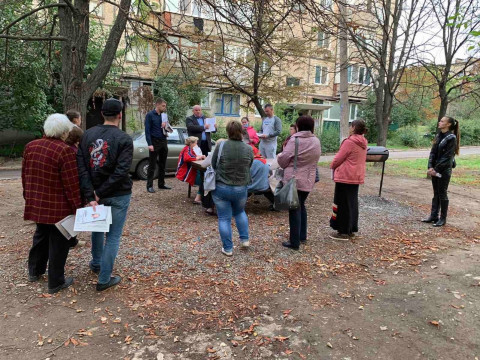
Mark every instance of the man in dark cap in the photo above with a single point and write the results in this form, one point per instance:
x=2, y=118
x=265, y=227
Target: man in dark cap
x=104, y=158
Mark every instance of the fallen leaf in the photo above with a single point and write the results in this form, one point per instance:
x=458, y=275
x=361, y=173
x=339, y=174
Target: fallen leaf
x=40, y=340
x=211, y=350
x=435, y=323
x=103, y=319
x=288, y=351
x=281, y=338
x=128, y=339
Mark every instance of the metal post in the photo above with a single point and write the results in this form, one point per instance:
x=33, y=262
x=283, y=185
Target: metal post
x=381, y=181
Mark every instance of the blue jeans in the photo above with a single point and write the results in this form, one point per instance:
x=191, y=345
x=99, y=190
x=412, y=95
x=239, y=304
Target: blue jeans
x=230, y=201
x=105, y=248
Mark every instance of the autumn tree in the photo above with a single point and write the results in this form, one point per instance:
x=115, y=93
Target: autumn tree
x=68, y=22
x=383, y=34
x=451, y=56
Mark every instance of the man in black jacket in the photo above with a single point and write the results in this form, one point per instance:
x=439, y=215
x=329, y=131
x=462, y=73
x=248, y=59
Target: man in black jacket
x=196, y=126
x=157, y=144
x=104, y=158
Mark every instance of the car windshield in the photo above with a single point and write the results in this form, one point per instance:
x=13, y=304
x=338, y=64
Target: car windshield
x=137, y=135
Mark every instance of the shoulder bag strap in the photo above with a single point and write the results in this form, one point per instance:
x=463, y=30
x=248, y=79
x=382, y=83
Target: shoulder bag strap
x=220, y=152
x=296, y=155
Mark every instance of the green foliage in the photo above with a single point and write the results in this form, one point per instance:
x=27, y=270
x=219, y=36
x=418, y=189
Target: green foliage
x=469, y=131
x=330, y=139
x=11, y=151
x=179, y=94
x=406, y=114
x=23, y=79
x=367, y=110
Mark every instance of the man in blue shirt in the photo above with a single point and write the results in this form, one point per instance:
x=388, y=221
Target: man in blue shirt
x=157, y=144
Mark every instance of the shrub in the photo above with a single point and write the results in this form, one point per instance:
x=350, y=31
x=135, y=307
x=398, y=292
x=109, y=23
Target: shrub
x=469, y=131
x=330, y=139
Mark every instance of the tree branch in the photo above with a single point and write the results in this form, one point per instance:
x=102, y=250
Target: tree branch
x=30, y=13
x=33, y=38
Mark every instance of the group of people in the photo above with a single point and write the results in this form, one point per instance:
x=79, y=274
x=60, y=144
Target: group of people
x=60, y=177
x=68, y=168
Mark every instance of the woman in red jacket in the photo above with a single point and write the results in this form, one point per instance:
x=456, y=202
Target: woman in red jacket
x=252, y=134
x=185, y=171
x=348, y=169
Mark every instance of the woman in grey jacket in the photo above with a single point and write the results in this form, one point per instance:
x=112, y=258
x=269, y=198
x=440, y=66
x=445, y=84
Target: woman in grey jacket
x=232, y=175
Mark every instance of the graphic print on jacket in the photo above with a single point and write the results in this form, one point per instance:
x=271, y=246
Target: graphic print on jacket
x=98, y=153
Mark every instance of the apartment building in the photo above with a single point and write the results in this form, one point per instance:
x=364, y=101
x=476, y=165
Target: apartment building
x=309, y=77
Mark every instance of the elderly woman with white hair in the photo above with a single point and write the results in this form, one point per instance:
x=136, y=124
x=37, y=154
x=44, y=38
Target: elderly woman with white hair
x=51, y=192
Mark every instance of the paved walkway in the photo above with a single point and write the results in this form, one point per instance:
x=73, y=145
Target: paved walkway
x=394, y=154
x=417, y=154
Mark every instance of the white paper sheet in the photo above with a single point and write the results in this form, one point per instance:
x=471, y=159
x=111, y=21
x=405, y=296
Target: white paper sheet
x=211, y=122
x=197, y=150
x=93, y=226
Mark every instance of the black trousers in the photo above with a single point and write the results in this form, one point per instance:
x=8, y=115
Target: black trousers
x=298, y=220
x=160, y=151
x=345, y=219
x=203, y=145
x=49, y=246
x=440, y=186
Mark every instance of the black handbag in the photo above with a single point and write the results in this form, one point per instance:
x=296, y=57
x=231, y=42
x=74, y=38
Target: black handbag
x=286, y=195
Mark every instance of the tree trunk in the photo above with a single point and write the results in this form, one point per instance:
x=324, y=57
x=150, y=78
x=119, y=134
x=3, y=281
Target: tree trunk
x=258, y=106
x=75, y=26
x=379, y=117
x=443, y=101
x=343, y=53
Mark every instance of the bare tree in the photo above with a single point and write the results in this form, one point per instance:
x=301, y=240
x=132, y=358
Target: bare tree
x=454, y=75
x=248, y=47
x=383, y=34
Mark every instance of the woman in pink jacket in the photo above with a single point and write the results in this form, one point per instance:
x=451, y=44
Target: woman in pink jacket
x=348, y=168
x=307, y=159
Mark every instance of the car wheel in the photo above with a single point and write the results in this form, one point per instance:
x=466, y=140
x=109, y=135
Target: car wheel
x=142, y=170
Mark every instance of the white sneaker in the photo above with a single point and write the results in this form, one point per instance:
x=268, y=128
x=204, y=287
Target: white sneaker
x=245, y=244
x=227, y=253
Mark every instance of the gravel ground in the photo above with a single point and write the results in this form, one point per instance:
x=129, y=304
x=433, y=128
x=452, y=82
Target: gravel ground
x=178, y=284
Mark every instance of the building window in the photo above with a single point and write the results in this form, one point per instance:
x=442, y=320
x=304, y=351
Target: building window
x=323, y=39
x=96, y=9
x=293, y=81
x=353, y=112
x=205, y=101
x=138, y=52
x=227, y=104
x=326, y=3
x=321, y=75
x=359, y=75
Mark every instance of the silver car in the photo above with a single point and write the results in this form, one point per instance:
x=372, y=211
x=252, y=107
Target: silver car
x=176, y=142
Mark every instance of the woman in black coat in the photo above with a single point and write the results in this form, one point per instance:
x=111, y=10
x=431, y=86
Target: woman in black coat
x=440, y=164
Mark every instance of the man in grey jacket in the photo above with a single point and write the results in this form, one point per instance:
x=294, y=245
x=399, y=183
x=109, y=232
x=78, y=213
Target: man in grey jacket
x=271, y=128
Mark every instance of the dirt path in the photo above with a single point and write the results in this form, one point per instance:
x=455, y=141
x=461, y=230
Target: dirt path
x=403, y=290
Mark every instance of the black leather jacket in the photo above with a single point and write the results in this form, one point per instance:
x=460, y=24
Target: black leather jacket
x=104, y=158
x=442, y=155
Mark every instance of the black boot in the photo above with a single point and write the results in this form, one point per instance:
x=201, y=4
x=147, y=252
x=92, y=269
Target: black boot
x=434, y=212
x=443, y=217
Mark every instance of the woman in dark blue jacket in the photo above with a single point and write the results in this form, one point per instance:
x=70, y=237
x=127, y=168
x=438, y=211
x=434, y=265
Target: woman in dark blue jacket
x=440, y=164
